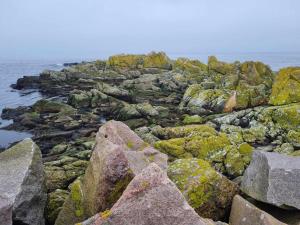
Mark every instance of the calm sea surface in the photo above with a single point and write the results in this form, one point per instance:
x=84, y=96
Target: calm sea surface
x=11, y=70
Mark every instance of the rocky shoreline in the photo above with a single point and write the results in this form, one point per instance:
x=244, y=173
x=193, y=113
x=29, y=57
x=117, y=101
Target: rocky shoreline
x=207, y=123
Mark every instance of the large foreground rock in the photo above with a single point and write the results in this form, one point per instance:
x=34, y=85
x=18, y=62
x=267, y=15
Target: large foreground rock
x=150, y=198
x=273, y=178
x=22, y=192
x=119, y=155
x=244, y=213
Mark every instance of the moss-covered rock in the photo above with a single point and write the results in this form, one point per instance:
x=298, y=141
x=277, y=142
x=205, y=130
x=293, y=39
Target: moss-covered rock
x=207, y=191
x=184, y=131
x=220, y=67
x=286, y=88
x=54, y=204
x=191, y=66
x=47, y=106
x=153, y=60
x=195, y=119
x=293, y=137
x=204, y=145
x=286, y=117
x=237, y=159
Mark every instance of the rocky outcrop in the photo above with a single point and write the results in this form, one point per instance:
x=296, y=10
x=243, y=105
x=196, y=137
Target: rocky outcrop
x=22, y=192
x=272, y=178
x=286, y=88
x=150, y=198
x=206, y=190
x=229, y=154
x=152, y=60
x=119, y=155
x=245, y=84
x=244, y=213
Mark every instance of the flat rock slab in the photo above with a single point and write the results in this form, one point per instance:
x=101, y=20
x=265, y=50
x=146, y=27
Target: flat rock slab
x=273, y=178
x=150, y=198
x=22, y=190
x=244, y=213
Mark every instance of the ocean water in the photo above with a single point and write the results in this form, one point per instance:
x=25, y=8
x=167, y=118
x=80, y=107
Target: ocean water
x=11, y=70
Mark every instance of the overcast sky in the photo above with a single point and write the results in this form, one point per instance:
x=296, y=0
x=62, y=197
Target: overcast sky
x=32, y=29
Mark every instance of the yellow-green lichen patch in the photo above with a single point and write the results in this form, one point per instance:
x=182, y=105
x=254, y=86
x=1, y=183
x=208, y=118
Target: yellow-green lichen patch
x=195, y=119
x=189, y=66
x=186, y=131
x=286, y=88
x=106, y=214
x=237, y=159
x=77, y=198
x=203, y=146
x=195, y=178
x=287, y=117
x=130, y=144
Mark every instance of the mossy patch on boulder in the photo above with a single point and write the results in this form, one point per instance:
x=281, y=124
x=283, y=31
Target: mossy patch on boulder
x=237, y=159
x=207, y=191
x=286, y=88
x=203, y=145
x=195, y=119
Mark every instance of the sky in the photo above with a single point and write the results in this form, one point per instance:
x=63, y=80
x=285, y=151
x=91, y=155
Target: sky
x=49, y=29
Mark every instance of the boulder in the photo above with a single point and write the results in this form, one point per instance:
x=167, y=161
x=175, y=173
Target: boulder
x=206, y=190
x=286, y=88
x=244, y=213
x=153, y=60
x=22, y=192
x=150, y=198
x=272, y=178
x=119, y=155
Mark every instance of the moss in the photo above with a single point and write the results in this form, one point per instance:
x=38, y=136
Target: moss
x=195, y=119
x=237, y=159
x=119, y=187
x=203, y=145
x=186, y=131
x=286, y=88
x=218, y=66
x=189, y=66
x=47, y=106
x=195, y=178
x=257, y=133
x=293, y=137
x=173, y=147
x=130, y=144
x=157, y=60
x=77, y=198
x=106, y=214
x=152, y=60
x=287, y=117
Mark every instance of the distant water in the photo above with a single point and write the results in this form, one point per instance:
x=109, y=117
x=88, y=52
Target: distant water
x=10, y=72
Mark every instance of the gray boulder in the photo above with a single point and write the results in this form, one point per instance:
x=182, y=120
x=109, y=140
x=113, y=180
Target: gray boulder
x=273, y=178
x=244, y=213
x=150, y=198
x=22, y=189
